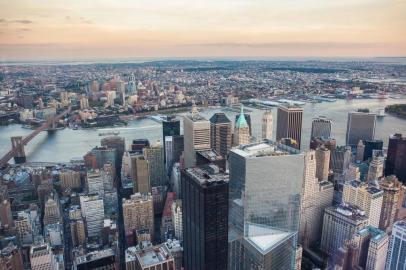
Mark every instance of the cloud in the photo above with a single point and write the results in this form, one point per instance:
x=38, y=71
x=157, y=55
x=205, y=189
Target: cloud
x=20, y=21
x=85, y=21
x=272, y=45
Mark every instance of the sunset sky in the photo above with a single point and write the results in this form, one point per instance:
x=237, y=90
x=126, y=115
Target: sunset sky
x=86, y=29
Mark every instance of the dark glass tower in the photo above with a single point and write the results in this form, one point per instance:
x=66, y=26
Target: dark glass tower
x=396, y=159
x=170, y=127
x=221, y=133
x=371, y=145
x=205, y=218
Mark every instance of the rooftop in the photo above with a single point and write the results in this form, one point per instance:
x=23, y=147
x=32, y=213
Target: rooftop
x=349, y=211
x=95, y=255
x=265, y=148
x=149, y=256
x=205, y=178
x=219, y=118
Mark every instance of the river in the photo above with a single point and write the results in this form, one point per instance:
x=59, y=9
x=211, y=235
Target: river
x=62, y=145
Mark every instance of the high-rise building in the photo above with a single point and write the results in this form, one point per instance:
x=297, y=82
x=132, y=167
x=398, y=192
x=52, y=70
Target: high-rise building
x=205, y=218
x=367, y=198
x=372, y=246
x=396, y=258
x=267, y=125
x=98, y=156
x=138, y=213
x=177, y=219
x=359, y=157
x=321, y=127
x=92, y=207
x=221, y=133
x=170, y=127
x=265, y=194
x=149, y=257
x=10, y=258
x=315, y=197
x=155, y=157
x=70, y=179
x=339, y=225
x=375, y=171
x=118, y=143
x=392, y=201
x=94, y=181
x=140, y=173
x=370, y=146
x=322, y=163
x=104, y=259
x=196, y=136
x=52, y=213
x=247, y=117
x=289, y=124
x=84, y=102
x=241, y=130
x=174, y=149
x=6, y=216
x=396, y=159
x=360, y=126
x=330, y=144
x=42, y=258
x=139, y=144
x=340, y=159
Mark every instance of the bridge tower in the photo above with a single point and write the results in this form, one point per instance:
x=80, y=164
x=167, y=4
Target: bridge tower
x=18, y=146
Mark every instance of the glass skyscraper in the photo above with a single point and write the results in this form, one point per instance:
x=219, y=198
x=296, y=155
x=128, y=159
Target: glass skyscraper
x=265, y=186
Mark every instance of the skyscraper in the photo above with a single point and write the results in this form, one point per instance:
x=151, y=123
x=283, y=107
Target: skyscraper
x=247, y=117
x=140, y=173
x=92, y=207
x=322, y=163
x=118, y=143
x=138, y=213
x=396, y=159
x=321, y=127
x=94, y=182
x=6, y=216
x=360, y=126
x=196, y=131
x=396, y=259
x=370, y=146
x=177, y=219
x=205, y=218
x=241, y=130
x=10, y=258
x=221, y=133
x=392, y=201
x=375, y=171
x=367, y=198
x=289, y=124
x=155, y=157
x=265, y=193
x=52, y=213
x=70, y=179
x=359, y=157
x=170, y=127
x=267, y=125
x=339, y=225
x=340, y=159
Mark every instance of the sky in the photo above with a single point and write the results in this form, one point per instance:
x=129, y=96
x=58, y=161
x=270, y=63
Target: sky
x=89, y=29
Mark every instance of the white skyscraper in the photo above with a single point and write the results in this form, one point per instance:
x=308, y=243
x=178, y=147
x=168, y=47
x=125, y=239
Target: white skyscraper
x=177, y=218
x=94, y=182
x=396, y=259
x=92, y=207
x=267, y=125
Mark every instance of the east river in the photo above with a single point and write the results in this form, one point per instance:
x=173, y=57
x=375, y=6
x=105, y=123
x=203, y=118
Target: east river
x=62, y=145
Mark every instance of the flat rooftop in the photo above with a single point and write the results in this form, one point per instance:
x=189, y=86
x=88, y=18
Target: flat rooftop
x=204, y=177
x=265, y=148
x=95, y=255
x=149, y=256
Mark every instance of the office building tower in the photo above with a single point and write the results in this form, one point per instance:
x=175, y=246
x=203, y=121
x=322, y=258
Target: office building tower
x=340, y=159
x=138, y=213
x=375, y=170
x=247, y=117
x=396, y=258
x=69, y=179
x=158, y=198
x=196, y=136
x=359, y=157
x=108, y=174
x=170, y=127
x=105, y=259
x=84, y=102
x=322, y=163
x=339, y=225
x=77, y=232
x=6, y=216
x=321, y=128
x=42, y=258
x=372, y=246
x=370, y=146
x=315, y=197
x=330, y=144
x=265, y=194
x=174, y=149
x=267, y=125
x=207, y=157
x=289, y=124
x=221, y=133
x=52, y=212
x=396, y=158
x=298, y=258
x=94, y=181
x=111, y=96
x=10, y=258
x=149, y=257
x=176, y=251
x=140, y=173
x=393, y=195
x=367, y=198
x=118, y=143
x=241, y=130
x=360, y=126
x=205, y=219
x=167, y=228
x=177, y=218
x=155, y=157
x=168, y=142
x=139, y=144
x=92, y=207
x=98, y=156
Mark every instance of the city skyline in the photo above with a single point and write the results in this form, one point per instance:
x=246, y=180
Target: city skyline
x=47, y=30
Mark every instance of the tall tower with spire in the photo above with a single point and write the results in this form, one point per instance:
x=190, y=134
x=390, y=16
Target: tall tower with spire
x=241, y=129
x=267, y=125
